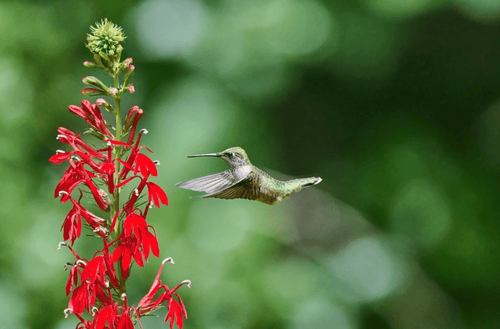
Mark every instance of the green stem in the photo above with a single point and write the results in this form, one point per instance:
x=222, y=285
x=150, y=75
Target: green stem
x=117, y=153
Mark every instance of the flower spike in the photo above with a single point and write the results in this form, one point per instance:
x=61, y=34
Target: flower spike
x=98, y=171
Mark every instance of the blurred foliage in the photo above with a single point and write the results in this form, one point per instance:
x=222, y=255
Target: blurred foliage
x=395, y=104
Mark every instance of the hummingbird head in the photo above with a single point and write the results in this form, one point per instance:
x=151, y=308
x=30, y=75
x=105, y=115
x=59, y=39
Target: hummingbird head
x=234, y=156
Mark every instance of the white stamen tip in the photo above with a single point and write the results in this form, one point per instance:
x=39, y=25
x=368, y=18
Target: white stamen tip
x=81, y=262
x=61, y=244
x=67, y=312
x=100, y=229
x=168, y=259
x=60, y=151
x=94, y=310
x=136, y=192
x=63, y=192
x=144, y=131
x=108, y=143
x=123, y=296
x=60, y=136
x=187, y=282
x=156, y=162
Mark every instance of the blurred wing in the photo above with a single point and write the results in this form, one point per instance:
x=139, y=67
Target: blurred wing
x=245, y=189
x=211, y=183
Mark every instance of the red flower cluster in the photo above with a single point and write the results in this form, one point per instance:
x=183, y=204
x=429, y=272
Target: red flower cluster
x=97, y=286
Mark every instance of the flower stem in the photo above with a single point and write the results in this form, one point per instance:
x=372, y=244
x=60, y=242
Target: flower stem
x=116, y=195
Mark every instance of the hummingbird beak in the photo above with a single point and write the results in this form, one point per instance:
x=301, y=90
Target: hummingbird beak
x=205, y=155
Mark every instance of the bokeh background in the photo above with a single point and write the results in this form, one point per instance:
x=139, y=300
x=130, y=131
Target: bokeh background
x=395, y=104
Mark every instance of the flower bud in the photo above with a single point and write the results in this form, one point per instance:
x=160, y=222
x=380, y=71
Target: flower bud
x=119, y=51
x=128, y=74
x=128, y=61
x=131, y=89
x=101, y=102
x=93, y=92
x=89, y=64
x=98, y=60
x=104, y=41
x=93, y=81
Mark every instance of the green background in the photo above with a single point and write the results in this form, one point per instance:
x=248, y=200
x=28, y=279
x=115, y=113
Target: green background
x=393, y=103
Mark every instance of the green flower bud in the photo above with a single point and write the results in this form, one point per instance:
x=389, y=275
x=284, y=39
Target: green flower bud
x=93, y=81
x=93, y=92
x=105, y=40
x=88, y=64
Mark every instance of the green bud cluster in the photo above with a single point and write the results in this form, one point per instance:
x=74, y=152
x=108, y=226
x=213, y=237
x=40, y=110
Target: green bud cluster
x=105, y=39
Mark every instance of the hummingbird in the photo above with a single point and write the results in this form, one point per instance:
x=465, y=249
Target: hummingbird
x=244, y=180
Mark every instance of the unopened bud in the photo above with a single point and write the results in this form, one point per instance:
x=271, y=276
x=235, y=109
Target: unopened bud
x=93, y=92
x=119, y=50
x=98, y=60
x=131, y=89
x=100, y=102
x=128, y=61
x=89, y=64
x=128, y=74
x=113, y=91
x=93, y=81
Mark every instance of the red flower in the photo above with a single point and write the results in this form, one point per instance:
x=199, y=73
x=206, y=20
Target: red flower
x=91, y=113
x=176, y=310
x=108, y=169
x=136, y=242
x=133, y=116
x=156, y=195
x=133, y=154
x=81, y=300
x=145, y=166
x=75, y=175
x=72, y=226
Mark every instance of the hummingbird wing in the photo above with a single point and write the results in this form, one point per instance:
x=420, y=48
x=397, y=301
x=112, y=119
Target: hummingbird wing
x=247, y=188
x=211, y=183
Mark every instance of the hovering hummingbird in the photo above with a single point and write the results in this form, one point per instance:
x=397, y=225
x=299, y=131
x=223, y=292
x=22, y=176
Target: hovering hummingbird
x=244, y=180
